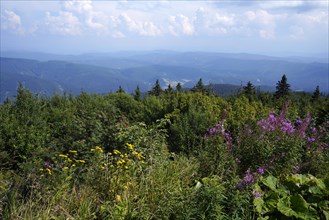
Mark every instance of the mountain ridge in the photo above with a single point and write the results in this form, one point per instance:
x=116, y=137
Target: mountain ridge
x=101, y=73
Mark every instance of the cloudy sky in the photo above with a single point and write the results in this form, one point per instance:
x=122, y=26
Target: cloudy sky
x=292, y=27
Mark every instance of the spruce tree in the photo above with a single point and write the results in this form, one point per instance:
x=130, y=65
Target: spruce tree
x=249, y=90
x=199, y=87
x=137, y=93
x=120, y=90
x=282, y=88
x=169, y=89
x=156, y=90
x=178, y=87
x=316, y=94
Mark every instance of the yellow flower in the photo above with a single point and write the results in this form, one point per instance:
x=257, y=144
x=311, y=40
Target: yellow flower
x=62, y=155
x=80, y=161
x=41, y=169
x=73, y=151
x=118, y=198
x=130, y=146
x=65, y=168
x=73, y=165
x=126, y=167
x=116, y=152
x=98, y=148
x=48, y=171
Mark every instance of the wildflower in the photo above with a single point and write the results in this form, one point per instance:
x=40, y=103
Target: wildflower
x=129, y=146
x=299, y=122
x=65, y=168
x=80, y=161
x=73, y=165
x=48, y=171
x=41, y=169
x=73, y=151
x=257, y=194
x=118, y=198
x=98, y=148
x=116, y=152
x=311, y=139
x=248, y=178
x=240, y=186
x=47, y=164
x=62, y=155
x=260, y=170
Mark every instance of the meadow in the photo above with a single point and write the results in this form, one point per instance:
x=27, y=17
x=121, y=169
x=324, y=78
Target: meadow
x=171, y=154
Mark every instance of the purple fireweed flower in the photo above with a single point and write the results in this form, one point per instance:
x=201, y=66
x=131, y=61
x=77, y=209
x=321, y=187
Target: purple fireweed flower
x=256, y=194
x=311, y=139
x=313, y=130
x=299, y=122
x=260, y=170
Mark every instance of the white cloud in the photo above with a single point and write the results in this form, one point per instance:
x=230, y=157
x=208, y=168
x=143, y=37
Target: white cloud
x=64, y=24
x=180, y=24
x=11, y=21
x=267, y=34
x=79, y=6
x=281, y=4
x=296, y=32
x=127, y=25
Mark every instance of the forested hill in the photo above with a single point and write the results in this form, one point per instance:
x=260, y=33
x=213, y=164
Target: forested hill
x=102, y=73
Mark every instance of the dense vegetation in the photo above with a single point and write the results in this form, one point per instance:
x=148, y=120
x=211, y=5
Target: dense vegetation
x=172, y=154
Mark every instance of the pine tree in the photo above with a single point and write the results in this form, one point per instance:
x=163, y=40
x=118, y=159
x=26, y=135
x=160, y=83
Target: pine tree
x=316, y=94
x=156, y=90
x=282, y=88
x=137, y=93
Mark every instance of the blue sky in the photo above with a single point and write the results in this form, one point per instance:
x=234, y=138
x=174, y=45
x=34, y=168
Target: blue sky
x=291, y=27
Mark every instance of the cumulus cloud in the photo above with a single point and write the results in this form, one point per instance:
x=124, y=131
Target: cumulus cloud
x=64, y=24
x=128, y=25
x=11, y=21
x=180, y=24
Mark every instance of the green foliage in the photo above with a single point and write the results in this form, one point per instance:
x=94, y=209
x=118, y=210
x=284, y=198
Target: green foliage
x=156, y=90
x=296, y=196
x=282, y=88
x=175, y=155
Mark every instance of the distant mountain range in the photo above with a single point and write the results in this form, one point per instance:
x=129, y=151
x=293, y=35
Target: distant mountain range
x=102, y=73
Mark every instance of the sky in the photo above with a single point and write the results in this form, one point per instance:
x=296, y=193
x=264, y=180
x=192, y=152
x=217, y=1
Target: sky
x=290, y=27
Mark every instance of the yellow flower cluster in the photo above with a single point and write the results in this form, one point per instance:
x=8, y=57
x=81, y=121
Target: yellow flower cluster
x=70, y=160
x=97, y=149
x=46, y=170
x=138, y=155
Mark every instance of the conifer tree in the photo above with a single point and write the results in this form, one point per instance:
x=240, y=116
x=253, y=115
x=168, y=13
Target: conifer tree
x=156, y=90
x=282, y=88
x=316, y=94
x=120, y=90
x=169, y=89
x=249, y=89
x=137, y=93
x=178, y=87
x=199, y=87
